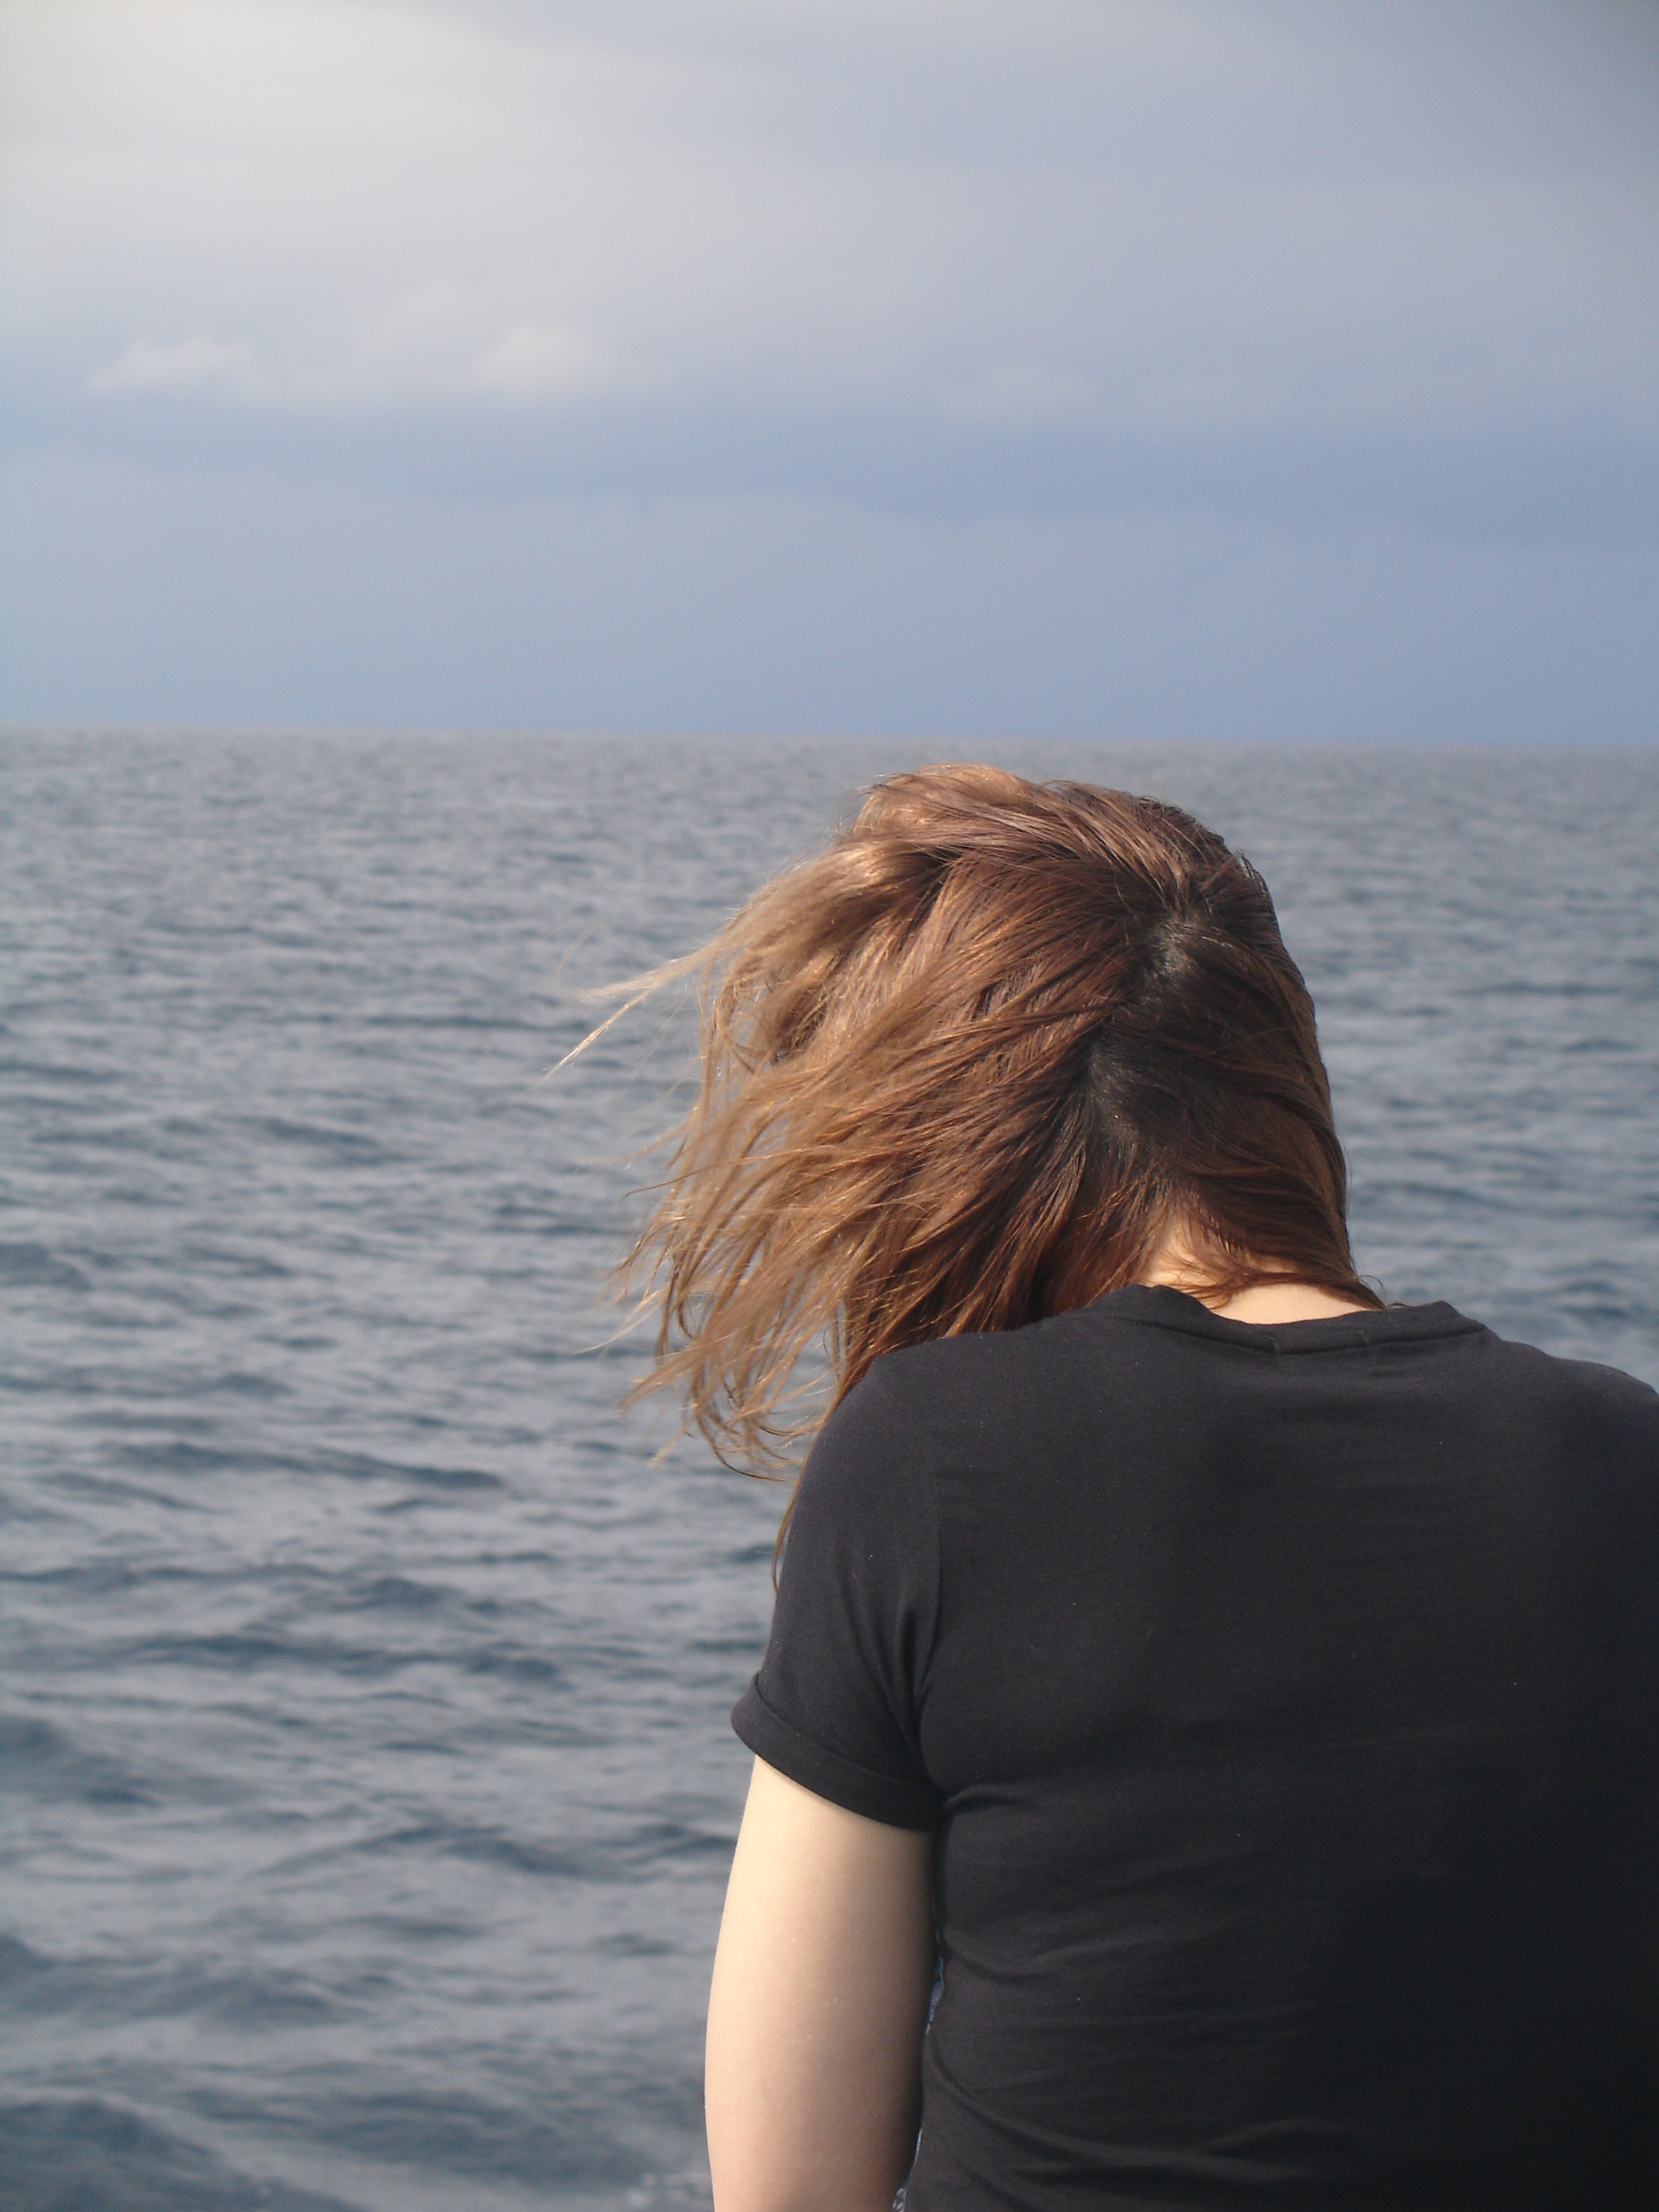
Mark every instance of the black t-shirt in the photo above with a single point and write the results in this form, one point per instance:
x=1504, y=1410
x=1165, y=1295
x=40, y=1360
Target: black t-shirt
x=1285, y=1702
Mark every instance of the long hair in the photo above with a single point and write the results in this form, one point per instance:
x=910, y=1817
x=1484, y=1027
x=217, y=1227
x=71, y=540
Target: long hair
x=961, y=1071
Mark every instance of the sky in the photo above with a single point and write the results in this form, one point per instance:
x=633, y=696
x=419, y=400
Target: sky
x=1173, y=368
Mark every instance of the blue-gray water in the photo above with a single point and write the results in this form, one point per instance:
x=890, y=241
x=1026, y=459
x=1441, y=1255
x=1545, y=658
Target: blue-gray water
x=363, y=1685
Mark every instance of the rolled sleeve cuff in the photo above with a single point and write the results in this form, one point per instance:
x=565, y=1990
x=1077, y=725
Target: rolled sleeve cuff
x=894, y=1800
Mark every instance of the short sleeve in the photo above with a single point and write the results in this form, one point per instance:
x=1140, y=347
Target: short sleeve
x=835, y=1705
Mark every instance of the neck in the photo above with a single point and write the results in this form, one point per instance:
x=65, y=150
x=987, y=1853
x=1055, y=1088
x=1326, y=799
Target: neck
x=1276, y=1298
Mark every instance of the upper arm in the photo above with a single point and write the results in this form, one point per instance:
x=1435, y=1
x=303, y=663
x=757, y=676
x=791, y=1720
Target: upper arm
x=818, y=2006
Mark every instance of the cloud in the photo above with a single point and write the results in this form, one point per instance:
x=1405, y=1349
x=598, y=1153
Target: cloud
x=194, y=364
x=263, y=599
x=869, y=231
x=911, y=358
x=541, y=360
x=1022, y=391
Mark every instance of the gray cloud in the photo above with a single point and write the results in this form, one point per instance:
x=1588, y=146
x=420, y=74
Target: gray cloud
x=1586, y=485
x=1147, y=219
x=1068, y=361
x=140, y=594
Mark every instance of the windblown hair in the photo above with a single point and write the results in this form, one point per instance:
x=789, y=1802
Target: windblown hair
x=961, y=1071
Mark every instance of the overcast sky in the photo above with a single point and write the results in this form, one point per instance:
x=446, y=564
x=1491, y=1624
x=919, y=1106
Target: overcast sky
x=1193, y=367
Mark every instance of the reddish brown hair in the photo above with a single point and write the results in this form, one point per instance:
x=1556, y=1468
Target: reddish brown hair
x=963, y=1070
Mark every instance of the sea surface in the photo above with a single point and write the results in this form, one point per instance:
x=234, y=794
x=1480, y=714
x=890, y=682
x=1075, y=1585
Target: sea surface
x=367, y=1791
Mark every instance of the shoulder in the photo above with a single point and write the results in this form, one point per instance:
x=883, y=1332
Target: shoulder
x=982, y=1405
x=947, y=1368
x=928, y=1400
x=866, y=1476
x=1604, y=1397
x=954, y=1390
x=1580, y=1441
x=928, y=1405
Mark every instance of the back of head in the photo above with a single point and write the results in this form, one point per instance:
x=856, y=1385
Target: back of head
x=965, y=1069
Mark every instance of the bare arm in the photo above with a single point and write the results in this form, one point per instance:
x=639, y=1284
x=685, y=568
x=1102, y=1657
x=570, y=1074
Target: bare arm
x=818, y=2006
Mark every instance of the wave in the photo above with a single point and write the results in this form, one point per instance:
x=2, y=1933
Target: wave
x=84, y=2154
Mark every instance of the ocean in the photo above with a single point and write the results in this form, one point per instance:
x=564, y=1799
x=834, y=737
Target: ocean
x=367, y=1791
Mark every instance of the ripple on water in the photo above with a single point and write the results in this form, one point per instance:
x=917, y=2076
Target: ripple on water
x=370, y=1792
